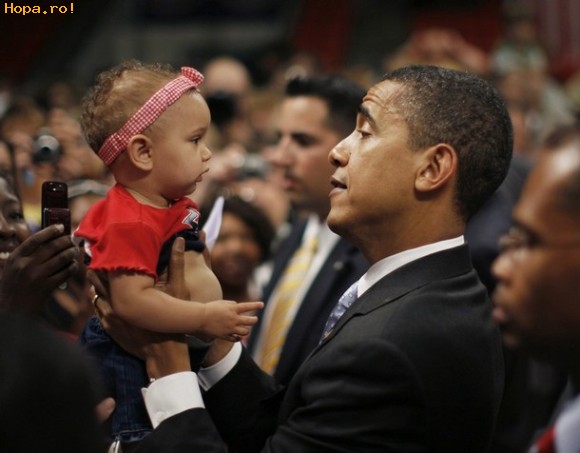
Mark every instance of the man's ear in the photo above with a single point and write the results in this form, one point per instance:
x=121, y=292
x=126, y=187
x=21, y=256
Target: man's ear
x=140, y=152
x=438, y=166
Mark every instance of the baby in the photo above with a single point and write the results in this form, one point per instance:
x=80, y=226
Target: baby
x=149, y=125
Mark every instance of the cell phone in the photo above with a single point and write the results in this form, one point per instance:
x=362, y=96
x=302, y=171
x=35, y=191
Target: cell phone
x=55, y=205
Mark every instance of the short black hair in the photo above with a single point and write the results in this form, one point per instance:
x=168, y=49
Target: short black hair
x=460, y=109
x=342, y=96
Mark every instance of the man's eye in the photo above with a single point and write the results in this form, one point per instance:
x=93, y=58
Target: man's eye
x=518, y=238
x=363, y=134
x=303, y=141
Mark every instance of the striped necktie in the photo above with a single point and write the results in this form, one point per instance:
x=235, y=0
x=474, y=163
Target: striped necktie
x=284, y=301
x=345, y=301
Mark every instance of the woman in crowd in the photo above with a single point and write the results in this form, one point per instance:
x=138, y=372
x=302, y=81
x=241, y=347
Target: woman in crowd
x=32, y=266
x=242, y=246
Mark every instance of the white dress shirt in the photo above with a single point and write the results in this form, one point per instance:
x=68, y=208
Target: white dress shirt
x=568, y=428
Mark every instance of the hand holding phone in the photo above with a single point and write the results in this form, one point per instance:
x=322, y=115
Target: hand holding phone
x=55, y=205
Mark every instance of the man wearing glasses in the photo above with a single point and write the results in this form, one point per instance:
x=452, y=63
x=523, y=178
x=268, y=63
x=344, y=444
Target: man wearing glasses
x=539, y=275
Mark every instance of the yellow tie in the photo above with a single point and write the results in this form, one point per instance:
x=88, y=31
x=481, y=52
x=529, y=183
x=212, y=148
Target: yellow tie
x=284, y=300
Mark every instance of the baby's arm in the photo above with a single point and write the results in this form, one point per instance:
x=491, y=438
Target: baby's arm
x=136, y=300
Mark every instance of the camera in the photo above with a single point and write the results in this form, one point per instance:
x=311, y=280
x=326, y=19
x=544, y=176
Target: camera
x=252, y=165
x=46, y=148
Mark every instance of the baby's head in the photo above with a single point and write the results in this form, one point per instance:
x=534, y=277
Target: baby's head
x=153, y=117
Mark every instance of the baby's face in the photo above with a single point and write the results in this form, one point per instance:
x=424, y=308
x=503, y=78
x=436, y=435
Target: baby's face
x=180, y=152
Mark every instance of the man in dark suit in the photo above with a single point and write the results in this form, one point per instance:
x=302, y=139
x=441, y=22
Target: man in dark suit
x=415, y=363
x=316, y=113
x=536, y=296
x=532, y=387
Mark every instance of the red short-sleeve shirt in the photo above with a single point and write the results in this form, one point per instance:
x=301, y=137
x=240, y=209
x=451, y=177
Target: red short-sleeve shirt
x=120, y=233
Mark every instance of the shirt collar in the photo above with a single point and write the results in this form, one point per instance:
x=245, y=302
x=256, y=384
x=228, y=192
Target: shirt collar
x=393, y=262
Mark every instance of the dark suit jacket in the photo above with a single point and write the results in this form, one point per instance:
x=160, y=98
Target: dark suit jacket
x=344, y=265
x=414, y=365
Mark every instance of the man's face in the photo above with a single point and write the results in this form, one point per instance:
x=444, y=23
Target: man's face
x=305, y=139
x=538, y=295
x=375, y=175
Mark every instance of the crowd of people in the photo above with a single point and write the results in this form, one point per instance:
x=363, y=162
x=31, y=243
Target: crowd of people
x=412, y=237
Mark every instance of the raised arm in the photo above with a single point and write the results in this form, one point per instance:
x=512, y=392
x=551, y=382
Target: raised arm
x=136, y=300
x=35, y=268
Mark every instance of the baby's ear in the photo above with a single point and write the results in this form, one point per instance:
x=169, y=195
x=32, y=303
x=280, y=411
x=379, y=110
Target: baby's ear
x=139, y=152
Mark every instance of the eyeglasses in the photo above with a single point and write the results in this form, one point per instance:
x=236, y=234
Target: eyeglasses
x=516, y=244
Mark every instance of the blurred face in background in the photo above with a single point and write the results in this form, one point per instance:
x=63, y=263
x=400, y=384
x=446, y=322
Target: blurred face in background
x=304, y=141
x=13, y=228
x=236, y=252
x=538, y=295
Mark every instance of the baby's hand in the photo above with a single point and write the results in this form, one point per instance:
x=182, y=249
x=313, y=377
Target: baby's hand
x=229, y=320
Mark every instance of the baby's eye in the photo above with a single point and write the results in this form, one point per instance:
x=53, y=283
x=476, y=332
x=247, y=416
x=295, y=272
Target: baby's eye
x=195, y=140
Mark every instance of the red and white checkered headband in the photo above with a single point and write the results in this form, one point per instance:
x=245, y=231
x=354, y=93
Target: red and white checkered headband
x=148, y=113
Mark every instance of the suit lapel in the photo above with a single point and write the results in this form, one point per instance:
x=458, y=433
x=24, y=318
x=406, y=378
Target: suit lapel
x=438, y=266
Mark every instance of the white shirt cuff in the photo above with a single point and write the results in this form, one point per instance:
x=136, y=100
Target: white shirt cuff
x=171, y=395
x=211, y=375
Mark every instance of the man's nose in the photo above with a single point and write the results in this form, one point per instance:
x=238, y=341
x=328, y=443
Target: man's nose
x=340, y=154
x=502, y=266
x=282, y=153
